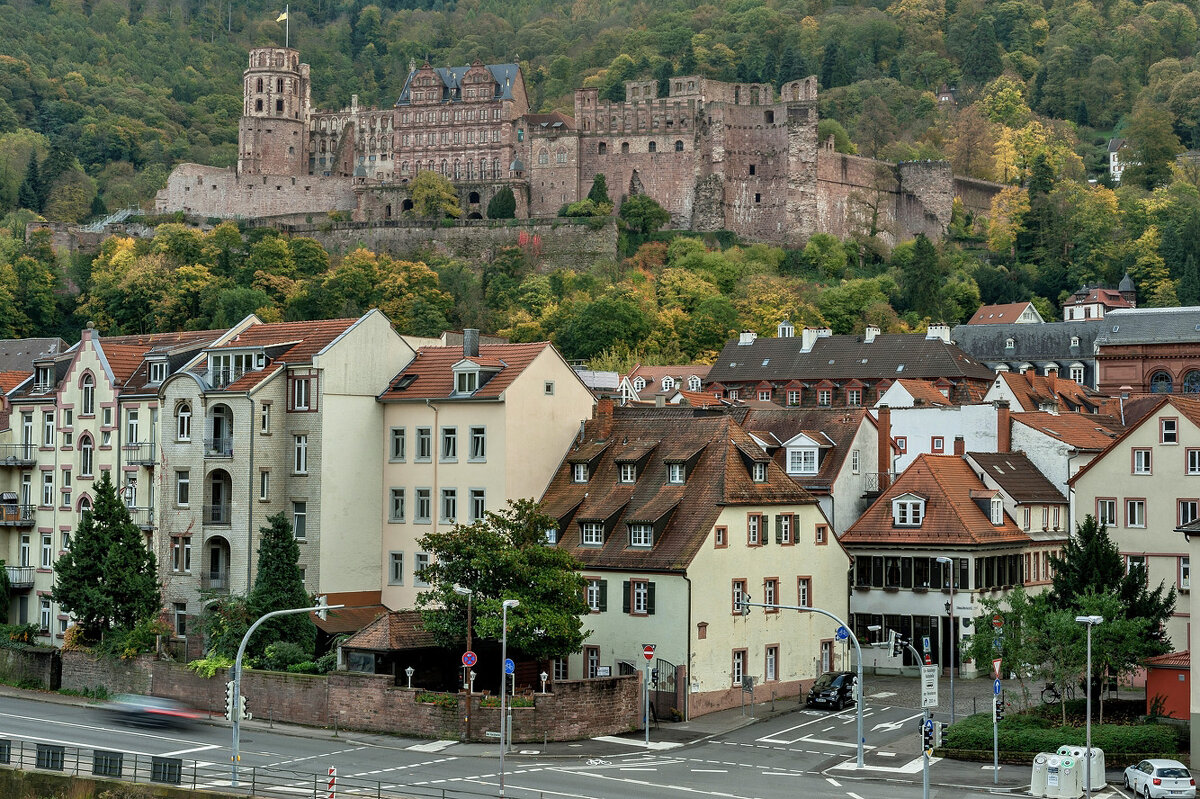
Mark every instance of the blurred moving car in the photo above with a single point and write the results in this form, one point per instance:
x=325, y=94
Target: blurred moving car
x=833, y=689
x=1160, y=778
x=151, y=711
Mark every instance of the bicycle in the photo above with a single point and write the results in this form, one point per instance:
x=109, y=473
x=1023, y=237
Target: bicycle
x=1051, y=694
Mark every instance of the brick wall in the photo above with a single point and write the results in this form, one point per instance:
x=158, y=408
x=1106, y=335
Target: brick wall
x=370, y=702
x=27, y=665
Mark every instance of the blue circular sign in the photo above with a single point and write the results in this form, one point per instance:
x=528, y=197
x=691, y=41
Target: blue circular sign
x=469, y=658
x=842, y=633
x=509, y=666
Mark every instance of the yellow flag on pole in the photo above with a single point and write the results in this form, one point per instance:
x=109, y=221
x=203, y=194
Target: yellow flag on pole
x=281, y=17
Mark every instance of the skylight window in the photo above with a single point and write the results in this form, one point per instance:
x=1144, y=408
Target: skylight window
x=900, y=368
x=768, y=360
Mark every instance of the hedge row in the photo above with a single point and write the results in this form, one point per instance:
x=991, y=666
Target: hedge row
x=1031, y=734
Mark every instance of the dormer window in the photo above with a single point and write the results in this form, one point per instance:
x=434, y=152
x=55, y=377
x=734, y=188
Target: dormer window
x=639, y=383
x=579, y=473
x=1009, y=343
x=628, y=473
x=592, y=534
x=158, y=371
x=802, y=460
x=668, y=383
x=641, y=535
x=758, y=472
x=676, y=473
x=997, y=511
x=693, y=383
x=44, y=381
x=908, y=511
x=466, y=382
x=1074, y=341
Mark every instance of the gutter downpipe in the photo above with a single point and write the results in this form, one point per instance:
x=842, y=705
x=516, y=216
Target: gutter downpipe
x=250, y=501
x=434, y=450
x=687, y=689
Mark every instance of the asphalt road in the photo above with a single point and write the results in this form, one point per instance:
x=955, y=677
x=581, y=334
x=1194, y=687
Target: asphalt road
x=788, y=755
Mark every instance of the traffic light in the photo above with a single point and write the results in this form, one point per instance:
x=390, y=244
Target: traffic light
x=898, y=641
x=229, y=704
x=939, y=732
x=999, y=707
x=653, y=677
x=745, y=604
x=244, y=714
x=323, y=604
x=927, y=728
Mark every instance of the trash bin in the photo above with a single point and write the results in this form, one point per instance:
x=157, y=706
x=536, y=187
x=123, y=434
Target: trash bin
x=1037, y=784
x=1097, y=770
x=1070, y=779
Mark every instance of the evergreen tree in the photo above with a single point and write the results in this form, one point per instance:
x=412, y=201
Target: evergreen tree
x=503, y=204
x=599, y=190
x=687, y=61
x=984, y=63
x=30, y=194
x=107, y=577
x=1092, y=563
x=1189, y=282
x=279, y=586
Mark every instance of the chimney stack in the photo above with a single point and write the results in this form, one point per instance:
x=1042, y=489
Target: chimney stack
x=808, y=337
x=870, y=333
x=1003, y=427
x=960, y=446
x=604, y=416
x=885, y=445
x=938, y=330
x=747, y=338
x=471, y=342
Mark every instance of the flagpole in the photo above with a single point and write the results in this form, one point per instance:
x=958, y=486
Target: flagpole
x=287, y=36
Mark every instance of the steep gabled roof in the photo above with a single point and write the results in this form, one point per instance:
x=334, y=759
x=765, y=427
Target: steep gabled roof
x=1017, y=475
x=717, y=450
x=925, y=391
x=837, y=428
x=843, y=358
x=429, y=375
x=1034, y=391
x=952, y=516
x=1188, y=407
x=1008, y=313
x=1084, y=431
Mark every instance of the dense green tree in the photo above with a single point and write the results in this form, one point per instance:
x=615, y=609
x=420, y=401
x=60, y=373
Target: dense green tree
x=278, y=585
x=108, y=577
x=642, y=214
x=595, y=326
x=30, y=194
x=503, y=204
x=1152, y=147
x=504, y=556
x=599, y=191
x=434, y=196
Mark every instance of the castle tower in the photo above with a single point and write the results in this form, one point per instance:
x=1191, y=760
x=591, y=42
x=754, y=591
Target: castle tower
x=273, y=131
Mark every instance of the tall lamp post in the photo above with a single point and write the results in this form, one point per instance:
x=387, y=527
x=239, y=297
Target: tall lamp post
x=953, y=633
x=505, y=605
x=468, y=683
x=1090, y=621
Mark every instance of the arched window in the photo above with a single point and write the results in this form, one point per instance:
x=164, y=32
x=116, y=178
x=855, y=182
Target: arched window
x=496, y=167
x=679, y=145
x=1161, y=383
x=403, y=167
x=183, y=422
x=602, y=148
x=653, y=147
x=543, y=157
x=624, y=147
x=87, y=407
x=86, y=455
x=561, y=156
x=1191, y=382
x=1009, y=343
x=85, y=503
x=279, y=84
x=457, y=169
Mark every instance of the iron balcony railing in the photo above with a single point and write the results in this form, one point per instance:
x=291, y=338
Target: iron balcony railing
x=220, y=378
x=221, y=447
x=876, y=482
x=142, y=517
x=215, y=580
x=20, y=576
x=220, y=515
x=13, y=515
x=142, y=453
x=17, y=454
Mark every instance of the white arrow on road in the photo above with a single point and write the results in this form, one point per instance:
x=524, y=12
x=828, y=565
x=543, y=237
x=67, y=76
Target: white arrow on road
x=892, y=726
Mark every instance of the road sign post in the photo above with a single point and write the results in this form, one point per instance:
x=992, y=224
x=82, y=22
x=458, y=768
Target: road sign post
x=648, y=654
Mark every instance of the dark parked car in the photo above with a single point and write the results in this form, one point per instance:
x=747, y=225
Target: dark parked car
x=151, y=711
x=833, y=689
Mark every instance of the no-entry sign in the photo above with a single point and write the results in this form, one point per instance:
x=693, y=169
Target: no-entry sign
x=648, y=651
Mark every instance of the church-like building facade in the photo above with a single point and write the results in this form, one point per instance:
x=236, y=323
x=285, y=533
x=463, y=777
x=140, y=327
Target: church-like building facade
x=716, y=155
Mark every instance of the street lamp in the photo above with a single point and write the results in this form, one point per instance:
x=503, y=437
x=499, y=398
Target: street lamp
x=504, y=606
x=469, y=684
x=544, y=677
x=409, y=673
x=953, y=632
x=1090, y=621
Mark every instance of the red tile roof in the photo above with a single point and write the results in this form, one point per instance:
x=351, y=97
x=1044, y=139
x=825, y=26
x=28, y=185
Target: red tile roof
x=306, y=338
x=836, y=426
x=1009, y=313
x=397, y=629
x=431, y=377
x=926, y=391
x=1035, y=391
x=1188, y=407
x=10, y=380
x=952, y=517
x=1088, y=431
x=347, y=620
x=718, y=475
x=1109, y=298
x=1171, y=660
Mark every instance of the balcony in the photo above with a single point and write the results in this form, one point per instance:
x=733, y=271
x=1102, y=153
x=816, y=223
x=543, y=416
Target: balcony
x=143, y=453
x=20, y=577
x=13, y=515
x=17, y=454
x=875, y=483
x=220, y=378
x=217, y=581
x=142, y=517
x=218, y=515
x=218, y=447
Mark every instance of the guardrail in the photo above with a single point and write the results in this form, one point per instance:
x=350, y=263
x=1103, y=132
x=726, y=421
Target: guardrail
x=195, y=775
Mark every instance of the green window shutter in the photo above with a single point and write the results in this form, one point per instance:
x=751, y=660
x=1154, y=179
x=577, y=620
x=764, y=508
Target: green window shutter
x=603, y=595
x=625, y=597
x=779, y=529
x=764, y=529
x=649, y=599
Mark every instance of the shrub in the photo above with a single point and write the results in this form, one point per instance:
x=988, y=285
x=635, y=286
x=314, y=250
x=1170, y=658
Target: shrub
x=282, y=654
x=303, y=667
x=208, y=666
x=513, y=701
x=441, y=700
x=128, y=643
x=1031, y=733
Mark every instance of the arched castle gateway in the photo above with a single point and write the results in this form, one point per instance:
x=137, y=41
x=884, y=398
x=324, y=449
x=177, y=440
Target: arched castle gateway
x=716, y=155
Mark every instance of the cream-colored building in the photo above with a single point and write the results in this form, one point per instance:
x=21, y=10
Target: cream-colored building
x=275, y=418
x=1143, y=486
x=676, y=513
x=466, y=429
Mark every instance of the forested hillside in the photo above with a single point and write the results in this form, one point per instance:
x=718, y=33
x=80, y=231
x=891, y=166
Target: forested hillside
x=98, y=101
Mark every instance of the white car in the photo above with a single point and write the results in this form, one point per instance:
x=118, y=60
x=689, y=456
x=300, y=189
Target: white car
x=1161, y=778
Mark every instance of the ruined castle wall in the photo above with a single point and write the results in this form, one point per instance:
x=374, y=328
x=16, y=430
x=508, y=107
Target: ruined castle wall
x=926, y=198
x=755, y=152
x=552, y=167
x=852, y=190
x=976, y=195
x=211, y=192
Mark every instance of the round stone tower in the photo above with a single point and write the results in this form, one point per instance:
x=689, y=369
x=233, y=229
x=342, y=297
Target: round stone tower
x=273, y=132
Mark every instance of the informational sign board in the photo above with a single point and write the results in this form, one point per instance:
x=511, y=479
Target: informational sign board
x=996, y=688
x=929, y=686
x=842, y=633
x=604, y=671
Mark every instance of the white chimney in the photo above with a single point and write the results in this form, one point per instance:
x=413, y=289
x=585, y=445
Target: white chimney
x=871, y=332
x=824, y=332
x=808, y=337
x=939, y=330
x=746, y=338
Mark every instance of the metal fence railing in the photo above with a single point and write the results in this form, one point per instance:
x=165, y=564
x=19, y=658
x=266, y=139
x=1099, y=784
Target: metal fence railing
x=194, y=775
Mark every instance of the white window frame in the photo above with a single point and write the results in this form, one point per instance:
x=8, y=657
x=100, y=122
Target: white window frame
x=593, y=595
x=47, y=488
x=48, y=429
x=183, y=487
x=676, y=473
x=300, y=519
x=47, y=550
x=158, y=371
x=264, y=420
x=579, y=472
x=639, y=600
x=44, y=614
x=1193, y=461
x=739, y=666
x=592, y=534
x=301, y=393
x=908, y=513
x=641, y=535
x=424, y=451
x=997, y=511
x=131, y=426
x=1142, y=461
x=1185, y=573
x=628, y=473
x=300, y=453
x=1171, y=435
x=802, y=460
x=1135, y=513
x=396, y=504
x=754, y=529
x=1193, y=506
x=1103, y=505
x=183, y=422
x=758, y=473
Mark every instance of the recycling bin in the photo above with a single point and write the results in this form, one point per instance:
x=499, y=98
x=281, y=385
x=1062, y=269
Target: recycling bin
x=1070, y=779
x=1053, y=775
x=1097, y=769
x=1037, y=783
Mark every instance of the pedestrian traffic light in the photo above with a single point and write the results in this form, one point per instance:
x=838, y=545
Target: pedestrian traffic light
x=229, y=704
x=323, y=604
x=244, y=714
x=898, y=641
x=999, y=707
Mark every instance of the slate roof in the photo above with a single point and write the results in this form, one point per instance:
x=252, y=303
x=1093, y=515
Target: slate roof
x=718, y=474
x=1050, y=341
x=1008, y=313
x=844, y=357
x=554, y=121
x=1035, y=391
x=1085, y=431
x=504, y=74
x=1017, y=475
x=428, y=375
x=952, y=517
x=396, y=629
x=834, y=426
x=18, y=354
x=1149, y=326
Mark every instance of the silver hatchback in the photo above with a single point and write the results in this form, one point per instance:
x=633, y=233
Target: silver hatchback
x=1154, y=779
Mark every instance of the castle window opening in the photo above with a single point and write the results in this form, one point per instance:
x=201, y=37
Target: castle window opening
x=259, y=87
x=653, y=147
x=752, y=169
x=769, y=117
x=561, y=156
x=602, y=148
x=757, y=198
x=258, y=105
x=678, y=86
x=679, y=145
x=543, y=157
x=624, y=147
x=403, y=167
x=496, y=167
x=473, y=198
x=279, y=84
x=520, y=134
x=407, y=205
x=691, y=85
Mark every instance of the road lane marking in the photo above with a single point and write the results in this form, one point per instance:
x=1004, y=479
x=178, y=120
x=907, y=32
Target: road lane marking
x=654, y=745
x=781, y=774
x=833, y=782
x=189, y=751
x=827, y=729
x=711, y=770
x=853, y=795
x=432, y=746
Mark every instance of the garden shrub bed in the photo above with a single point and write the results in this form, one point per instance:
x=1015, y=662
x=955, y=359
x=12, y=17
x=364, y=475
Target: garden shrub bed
x=1032, y=733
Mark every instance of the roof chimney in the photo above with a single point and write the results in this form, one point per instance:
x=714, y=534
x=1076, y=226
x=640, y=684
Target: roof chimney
x=960, y=446
x=1003, y=427
x=938, y=330
x=808, y=337
x=870, y=333
x=746, y=338
x=604, y=415
x=471, y=342
x=884, y=446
